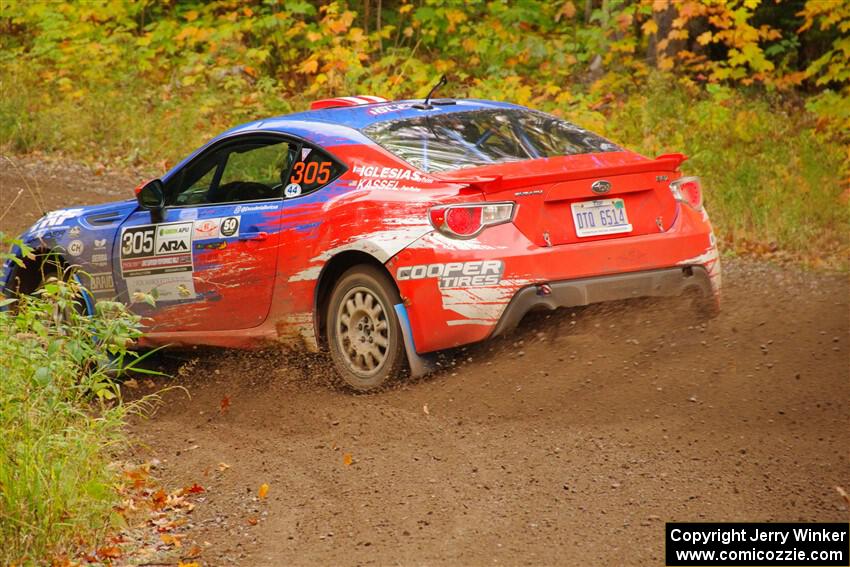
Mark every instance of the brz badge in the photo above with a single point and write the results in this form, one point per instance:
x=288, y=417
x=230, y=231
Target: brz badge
x=600, y=187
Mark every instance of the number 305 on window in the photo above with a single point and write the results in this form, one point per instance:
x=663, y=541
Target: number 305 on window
x=309, y=173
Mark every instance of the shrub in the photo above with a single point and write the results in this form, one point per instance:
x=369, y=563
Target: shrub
x=61, y=420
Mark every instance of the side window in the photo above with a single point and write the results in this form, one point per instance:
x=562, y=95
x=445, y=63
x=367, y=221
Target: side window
x=313, y=171
x=246, y=170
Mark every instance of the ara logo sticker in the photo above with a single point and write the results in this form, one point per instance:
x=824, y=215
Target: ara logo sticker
x=305, y=152
x=172, y=238
x=76, y=247
x=230, y=226
x=292, y=190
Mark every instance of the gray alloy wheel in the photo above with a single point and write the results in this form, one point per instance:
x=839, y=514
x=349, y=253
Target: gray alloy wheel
x=363, y=331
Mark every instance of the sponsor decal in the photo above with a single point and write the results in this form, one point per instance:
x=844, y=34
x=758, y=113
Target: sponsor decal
x=157, y=259
x=292, y=190
x=253, y=208
x=229, y=226
x=100, y=243
x=166, y=287
x=76, y=247
x=206, y=229
x=384, y=109
x=211, y=246
x=56, y=218
x=477, y=273
x=74, y=231
x=99, y=259
x=100, y=283
x=305, y=152
x=190, y=213
x=530, y=192
x=173, y=237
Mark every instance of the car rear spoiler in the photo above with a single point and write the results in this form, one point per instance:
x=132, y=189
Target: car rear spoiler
x=496, y=183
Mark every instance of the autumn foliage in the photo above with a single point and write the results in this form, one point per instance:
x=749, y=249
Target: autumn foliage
x=145, y=82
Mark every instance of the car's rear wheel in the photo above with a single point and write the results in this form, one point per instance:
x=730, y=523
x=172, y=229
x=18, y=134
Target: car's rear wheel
x=363, y=331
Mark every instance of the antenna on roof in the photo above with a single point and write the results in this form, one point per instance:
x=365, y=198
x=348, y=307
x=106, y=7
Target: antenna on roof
x=427, y=104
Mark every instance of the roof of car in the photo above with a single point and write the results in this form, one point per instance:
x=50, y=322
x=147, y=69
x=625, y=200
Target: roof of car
x=331, y=127
x=364, y=115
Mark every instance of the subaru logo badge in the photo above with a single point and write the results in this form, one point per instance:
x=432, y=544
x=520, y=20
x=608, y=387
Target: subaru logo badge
x=600, y=187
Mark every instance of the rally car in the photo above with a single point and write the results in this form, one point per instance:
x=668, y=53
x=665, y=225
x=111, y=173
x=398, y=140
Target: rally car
x=383, y=231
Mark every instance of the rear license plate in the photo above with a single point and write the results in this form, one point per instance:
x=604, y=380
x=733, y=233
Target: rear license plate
x=606, y=216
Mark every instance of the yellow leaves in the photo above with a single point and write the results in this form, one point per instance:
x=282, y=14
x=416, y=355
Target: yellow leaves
x=568, y=10
x=659, y=5
x=704, y=38
x=190, y=564
x=649, y=27
x=309, y=67
x=405, y=8
x=263, y=491
x=191, y=15
x=313, y=36
x=454, y=18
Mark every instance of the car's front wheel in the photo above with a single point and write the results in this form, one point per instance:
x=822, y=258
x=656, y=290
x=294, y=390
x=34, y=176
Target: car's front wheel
x=363, y=331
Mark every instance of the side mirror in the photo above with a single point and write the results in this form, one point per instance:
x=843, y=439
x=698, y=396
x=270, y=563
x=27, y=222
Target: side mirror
x=151, y=197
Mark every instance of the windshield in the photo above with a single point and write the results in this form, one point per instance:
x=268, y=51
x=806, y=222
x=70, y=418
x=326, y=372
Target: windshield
x=474, y=138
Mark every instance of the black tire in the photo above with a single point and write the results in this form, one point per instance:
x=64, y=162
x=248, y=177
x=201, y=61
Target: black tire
x=360, y=317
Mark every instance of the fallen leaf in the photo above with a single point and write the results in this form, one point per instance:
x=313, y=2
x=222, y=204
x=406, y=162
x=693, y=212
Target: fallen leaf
x=425, y=409
x=252, y=521
x=347, y=459
x=224, y=405
x=194, y=551
x=131, y=383
x=223, y=467
x=191, y=564
x=169, y=539
x=159, y=498
x=111, y=551
x=194, y=489
x=263, y=491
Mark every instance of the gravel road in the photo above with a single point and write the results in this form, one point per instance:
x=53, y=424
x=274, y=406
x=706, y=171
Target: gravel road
x=569, y=442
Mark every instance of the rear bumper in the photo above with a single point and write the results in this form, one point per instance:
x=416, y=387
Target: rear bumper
x=491, y=270
x=669, y=282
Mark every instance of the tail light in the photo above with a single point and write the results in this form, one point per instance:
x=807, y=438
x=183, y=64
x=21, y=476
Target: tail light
x=466, y=221
x=688, y=190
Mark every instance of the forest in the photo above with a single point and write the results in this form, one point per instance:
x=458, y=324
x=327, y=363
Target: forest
x=754, y=91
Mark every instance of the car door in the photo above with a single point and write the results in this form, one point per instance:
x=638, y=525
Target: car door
x=210, y=264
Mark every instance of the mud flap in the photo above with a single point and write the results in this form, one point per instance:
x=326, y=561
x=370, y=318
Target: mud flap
x=419, y=365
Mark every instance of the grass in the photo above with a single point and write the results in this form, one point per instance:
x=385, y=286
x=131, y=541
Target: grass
x=61, y=423
x=771, y=182
x=771, y=179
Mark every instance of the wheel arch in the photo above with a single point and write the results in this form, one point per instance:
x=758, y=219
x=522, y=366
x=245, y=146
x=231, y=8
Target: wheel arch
x=330, y=274
x=24, y=280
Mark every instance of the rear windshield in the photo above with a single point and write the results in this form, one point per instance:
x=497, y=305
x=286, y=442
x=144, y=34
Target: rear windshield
x=458, y=140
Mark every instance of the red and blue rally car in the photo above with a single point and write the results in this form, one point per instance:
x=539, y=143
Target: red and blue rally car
x=385, y=230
